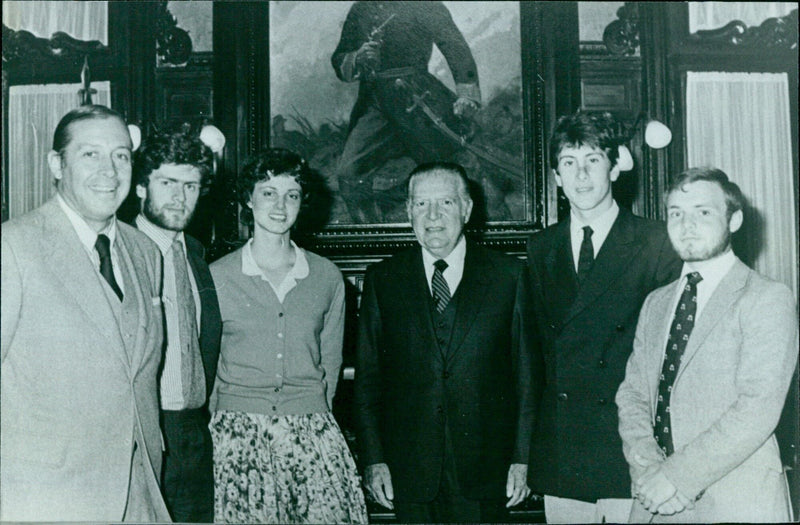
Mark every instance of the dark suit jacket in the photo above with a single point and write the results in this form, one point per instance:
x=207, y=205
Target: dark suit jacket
x=580, y=340
x=407, y=385
x=210, y=319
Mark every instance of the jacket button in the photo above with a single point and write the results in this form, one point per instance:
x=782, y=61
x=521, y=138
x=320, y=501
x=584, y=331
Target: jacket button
x=620, y=328
x=602, y=401
x=439, y=410
x=562, y=396
x=601, y=363
x=552, y=326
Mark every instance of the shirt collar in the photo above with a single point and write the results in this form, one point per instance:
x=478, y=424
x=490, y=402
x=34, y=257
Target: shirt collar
x=712, y=271
x=250, y=267
x=600, y=225
x=454, y=259
x=162, y=237
x=86, y=234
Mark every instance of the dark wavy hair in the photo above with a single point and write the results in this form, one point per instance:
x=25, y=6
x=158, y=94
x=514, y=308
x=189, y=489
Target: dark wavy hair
x=269, y=163
x=584, y=128
x=734, y=198
x=176, y=145
x=62, y=135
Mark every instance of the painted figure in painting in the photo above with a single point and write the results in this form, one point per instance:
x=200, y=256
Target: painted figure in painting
x=401, y=110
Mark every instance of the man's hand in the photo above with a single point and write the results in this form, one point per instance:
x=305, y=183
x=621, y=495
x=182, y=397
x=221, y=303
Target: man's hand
x=653, y=489
x=368, y=56
x=464, y=107
x=678, y=503
x=379, y=484
x=517, y=484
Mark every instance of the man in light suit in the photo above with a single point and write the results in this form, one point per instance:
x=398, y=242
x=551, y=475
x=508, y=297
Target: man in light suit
x=705, y=385
x=81, y=341
x=170, y=170
x=439, y=378
x=586, y=279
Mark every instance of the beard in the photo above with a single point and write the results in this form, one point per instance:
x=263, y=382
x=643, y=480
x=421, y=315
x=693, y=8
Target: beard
x=700, y=253
x=167, y=219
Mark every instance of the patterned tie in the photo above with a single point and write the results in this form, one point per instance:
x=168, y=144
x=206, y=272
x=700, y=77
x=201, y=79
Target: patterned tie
x=441, y=292
x=192, y=375
x=586, y=255
x=679, y=332
x=103, y=247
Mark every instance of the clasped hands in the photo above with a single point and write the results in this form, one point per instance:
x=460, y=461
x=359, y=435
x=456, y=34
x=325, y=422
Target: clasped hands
x=657, y=493
x=378, y=481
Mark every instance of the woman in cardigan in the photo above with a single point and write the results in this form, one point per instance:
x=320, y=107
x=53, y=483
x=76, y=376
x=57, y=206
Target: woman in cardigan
x=279, y=456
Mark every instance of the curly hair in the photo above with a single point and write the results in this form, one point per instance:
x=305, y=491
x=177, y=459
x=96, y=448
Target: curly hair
x=269, y=163
x=179, y=145
x=593, y=129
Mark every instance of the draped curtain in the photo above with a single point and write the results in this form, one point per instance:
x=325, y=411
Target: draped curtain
x=739, y=122
x=713, y=15
x=33, y=113
x=81, y=20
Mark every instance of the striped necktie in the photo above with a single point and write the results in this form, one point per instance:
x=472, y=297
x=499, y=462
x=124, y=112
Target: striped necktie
x=441, y=292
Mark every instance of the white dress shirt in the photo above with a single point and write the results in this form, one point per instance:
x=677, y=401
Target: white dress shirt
x=455, y=266
x=88, y=238
x=600, y=227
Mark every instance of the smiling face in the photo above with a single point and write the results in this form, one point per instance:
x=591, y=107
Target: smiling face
x=698, y=222
x=276, y=203
x=94, y=169
x=170, y=198
x=585, y=174
x=438, y=210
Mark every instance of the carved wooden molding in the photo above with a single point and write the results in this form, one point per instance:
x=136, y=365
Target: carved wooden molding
x=773, y=33
x=23, y=47
x=173, y=44
x=621, y=36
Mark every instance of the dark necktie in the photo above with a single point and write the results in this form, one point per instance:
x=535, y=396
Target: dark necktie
x=192, y=375
x=679, y=332
x=441, y=292
x=586, y=255
x=103, y=247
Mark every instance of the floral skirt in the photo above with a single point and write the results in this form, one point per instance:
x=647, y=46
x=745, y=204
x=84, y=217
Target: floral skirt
x=283, y=469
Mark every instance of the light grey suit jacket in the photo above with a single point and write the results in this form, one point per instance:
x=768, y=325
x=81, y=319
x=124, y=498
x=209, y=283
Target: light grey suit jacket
x=726, y=399
x=78, y=382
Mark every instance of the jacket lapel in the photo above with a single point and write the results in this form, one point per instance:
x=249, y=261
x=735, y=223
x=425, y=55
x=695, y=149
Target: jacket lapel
x=716, y=308
x=657, y=325
x=562, y=287
x=475, y=283
x=139, y=297
x=612, y=261
x=415, y=294
x=61, y=245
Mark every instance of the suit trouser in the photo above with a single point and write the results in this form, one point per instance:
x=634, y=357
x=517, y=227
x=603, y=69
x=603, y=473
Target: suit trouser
x=188, y=470
x=449, y=505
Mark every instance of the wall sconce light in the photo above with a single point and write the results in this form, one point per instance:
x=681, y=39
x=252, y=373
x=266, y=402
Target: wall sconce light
x=656, y=135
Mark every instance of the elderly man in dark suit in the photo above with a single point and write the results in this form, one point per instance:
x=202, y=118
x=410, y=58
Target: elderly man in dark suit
x=81, y=341
x=170, y=170
x=439, y=378
x=585, y=282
